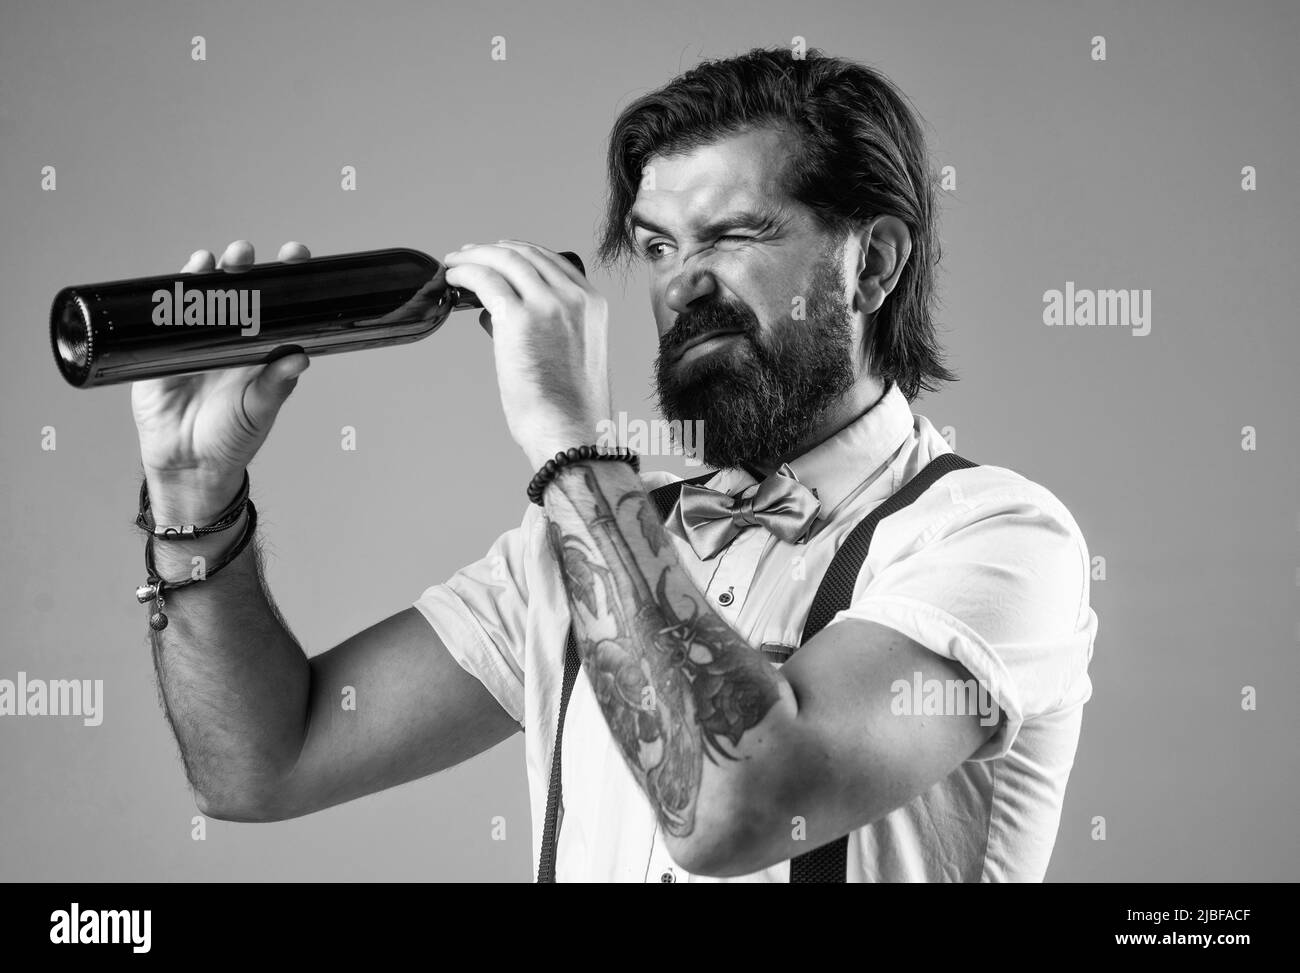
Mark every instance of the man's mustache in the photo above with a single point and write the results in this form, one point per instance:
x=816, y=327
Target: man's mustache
x=697, y=323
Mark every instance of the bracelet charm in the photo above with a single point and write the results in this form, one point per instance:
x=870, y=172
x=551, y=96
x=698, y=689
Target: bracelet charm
x=158, y=621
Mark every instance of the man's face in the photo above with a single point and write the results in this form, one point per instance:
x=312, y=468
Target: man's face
x=756, y=332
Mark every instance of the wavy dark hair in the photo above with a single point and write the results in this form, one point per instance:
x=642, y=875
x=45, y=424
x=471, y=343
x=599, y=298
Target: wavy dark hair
x=859, y=152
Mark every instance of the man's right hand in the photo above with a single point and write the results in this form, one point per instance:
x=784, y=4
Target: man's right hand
x=199, y=431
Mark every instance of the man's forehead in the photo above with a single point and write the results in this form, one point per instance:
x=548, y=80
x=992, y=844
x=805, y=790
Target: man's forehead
x=739, y=172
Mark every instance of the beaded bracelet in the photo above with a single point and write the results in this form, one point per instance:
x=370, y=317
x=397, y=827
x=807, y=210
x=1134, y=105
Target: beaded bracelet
x=153, y=587
x=576, y=454
x=181, y=532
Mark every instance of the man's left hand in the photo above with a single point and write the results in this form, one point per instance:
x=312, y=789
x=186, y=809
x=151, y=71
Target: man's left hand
x=549, y=330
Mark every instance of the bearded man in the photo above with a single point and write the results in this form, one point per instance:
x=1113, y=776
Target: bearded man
x=847, y=654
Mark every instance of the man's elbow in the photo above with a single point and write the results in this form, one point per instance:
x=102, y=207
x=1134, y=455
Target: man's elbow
x=756, y=815
x=238, y=805
x=223, y=808
x=734, y=834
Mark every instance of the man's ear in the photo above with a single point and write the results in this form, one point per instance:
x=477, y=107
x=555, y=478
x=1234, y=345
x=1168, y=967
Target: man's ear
x=884, y=245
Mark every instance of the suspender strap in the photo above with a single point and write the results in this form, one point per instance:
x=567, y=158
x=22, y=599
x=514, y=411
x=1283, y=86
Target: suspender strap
x=550, y=827
x=664, y=498
x=829, y=862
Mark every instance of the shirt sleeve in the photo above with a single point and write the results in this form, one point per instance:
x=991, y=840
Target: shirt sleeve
x=999, y=584
x=481, y=615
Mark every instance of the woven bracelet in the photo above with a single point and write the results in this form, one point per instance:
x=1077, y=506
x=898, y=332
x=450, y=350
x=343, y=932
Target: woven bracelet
x=180, y=532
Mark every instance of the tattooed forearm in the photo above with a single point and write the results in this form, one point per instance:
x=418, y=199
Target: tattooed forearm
x=676, y=684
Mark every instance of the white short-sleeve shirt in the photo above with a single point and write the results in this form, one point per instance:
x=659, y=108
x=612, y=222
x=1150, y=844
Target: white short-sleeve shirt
x=986, y=568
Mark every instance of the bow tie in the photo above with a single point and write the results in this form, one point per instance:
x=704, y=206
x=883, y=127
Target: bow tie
x=711, y=519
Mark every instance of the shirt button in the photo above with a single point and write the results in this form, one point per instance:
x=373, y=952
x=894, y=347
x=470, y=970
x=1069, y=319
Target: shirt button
x=667, y=877
x=726, y=598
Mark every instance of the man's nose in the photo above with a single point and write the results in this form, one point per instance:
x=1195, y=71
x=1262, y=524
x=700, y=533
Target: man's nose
x=688, y=287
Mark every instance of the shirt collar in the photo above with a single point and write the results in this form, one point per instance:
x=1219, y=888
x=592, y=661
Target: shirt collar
x=843, y=464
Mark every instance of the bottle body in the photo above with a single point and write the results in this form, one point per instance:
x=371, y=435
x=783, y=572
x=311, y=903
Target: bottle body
x=148, y=327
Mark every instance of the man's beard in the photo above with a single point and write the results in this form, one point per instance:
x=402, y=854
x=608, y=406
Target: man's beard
x=761, y=396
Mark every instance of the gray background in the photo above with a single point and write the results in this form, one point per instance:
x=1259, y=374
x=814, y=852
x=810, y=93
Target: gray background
x=1121, y=174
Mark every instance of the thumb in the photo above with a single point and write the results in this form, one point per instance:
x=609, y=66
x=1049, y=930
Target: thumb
x=267, y=392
